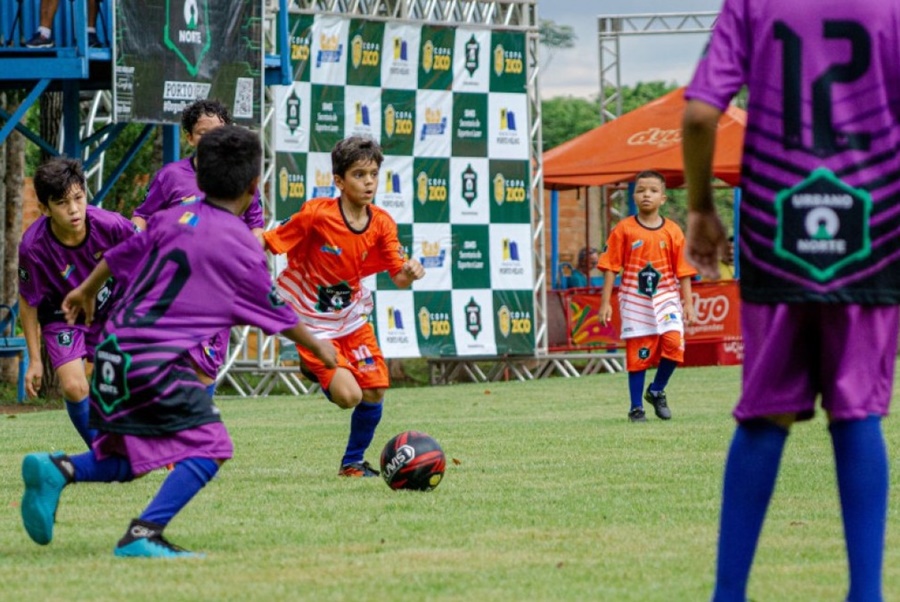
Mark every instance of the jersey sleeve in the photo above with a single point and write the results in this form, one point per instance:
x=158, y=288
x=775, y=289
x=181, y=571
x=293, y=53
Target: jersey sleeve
x=256, y=301
x=124, y=258
x=156, y=197
x=724, y=66
x=289, y=234
x=253, y=216
x=390, y=256
x=30, y=287
x=612, y=258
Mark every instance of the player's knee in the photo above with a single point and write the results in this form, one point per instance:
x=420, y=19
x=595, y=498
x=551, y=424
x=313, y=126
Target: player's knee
x=373, y=395
x=74, y=389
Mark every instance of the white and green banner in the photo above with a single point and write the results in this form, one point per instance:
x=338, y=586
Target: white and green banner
x=449, y=107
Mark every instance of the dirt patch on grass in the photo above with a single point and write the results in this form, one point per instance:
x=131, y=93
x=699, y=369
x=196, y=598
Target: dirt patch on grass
x=22, y=408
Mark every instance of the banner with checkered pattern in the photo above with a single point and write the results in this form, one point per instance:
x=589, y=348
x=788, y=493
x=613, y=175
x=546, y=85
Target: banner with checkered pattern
x=449, y=107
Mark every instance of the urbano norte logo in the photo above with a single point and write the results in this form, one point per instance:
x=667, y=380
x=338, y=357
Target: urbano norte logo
x=292, y=112
x=430, y=189
x=187, y=31
x=435, y=124
x=437, y=323
x=330, y=50
x=472, y=50
x=363, y=53
x=397, y=122
x=435, y=57
x=324, y=184
x=507, y=61
x=508, y=191
x=513, y=322
x=291, y=185
x=473, y=317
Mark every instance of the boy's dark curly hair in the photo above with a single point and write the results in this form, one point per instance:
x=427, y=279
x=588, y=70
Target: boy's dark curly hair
x=194, y=111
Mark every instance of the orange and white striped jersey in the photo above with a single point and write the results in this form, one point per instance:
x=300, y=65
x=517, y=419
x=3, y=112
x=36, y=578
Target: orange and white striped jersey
x=652, y=263
x=327, y=260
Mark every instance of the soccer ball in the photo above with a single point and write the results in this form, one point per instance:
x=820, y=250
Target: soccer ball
x=412, y=460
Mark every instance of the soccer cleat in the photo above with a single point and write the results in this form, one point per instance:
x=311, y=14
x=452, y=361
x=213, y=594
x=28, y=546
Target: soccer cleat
x=357, y=469
x=658, y=400
x=637, y=415
x=94, y=40
x=145, y=540
x=39, y=41
x=44, y=482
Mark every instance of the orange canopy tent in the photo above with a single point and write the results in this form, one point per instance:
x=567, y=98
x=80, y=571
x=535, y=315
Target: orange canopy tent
x=647, y=138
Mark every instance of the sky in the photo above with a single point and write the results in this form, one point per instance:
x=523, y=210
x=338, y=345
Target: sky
x=665, y=57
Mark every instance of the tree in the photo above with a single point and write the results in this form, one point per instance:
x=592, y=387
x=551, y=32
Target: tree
x=555, y=37
x=564, y=118
x=13, y=176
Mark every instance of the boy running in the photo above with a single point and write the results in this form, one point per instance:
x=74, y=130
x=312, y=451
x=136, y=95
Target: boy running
x=331, y=245
x=195, y=271
x=56, y=254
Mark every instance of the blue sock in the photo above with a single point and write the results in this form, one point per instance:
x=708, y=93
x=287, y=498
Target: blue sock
x=89, y=469
x=79, y=413
x=862, y=475
x=211, y=389
x=363, y=422
x=663, y=374
x=750, y=474
x=636, y=388
x=182, y=484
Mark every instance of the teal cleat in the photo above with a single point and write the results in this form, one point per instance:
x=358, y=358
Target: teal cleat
x=44, y=483
x=145, y=540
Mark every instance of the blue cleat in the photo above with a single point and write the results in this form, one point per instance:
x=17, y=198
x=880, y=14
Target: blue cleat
x=44, y=483
x=145, y=540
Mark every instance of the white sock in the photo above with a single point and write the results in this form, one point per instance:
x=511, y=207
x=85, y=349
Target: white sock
x=45, y=31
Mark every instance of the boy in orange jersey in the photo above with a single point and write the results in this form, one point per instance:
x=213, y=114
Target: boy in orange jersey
x=649, y=250
x=331, y=245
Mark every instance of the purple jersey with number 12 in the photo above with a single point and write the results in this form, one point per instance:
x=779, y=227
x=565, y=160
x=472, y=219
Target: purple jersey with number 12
x=195, y=271
x=820, y=211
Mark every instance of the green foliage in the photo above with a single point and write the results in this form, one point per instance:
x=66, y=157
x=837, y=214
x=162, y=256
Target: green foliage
x=565, y=118
x=550, y=494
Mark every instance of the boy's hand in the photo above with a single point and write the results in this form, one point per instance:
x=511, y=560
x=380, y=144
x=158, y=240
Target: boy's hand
x=325, y=351
x=34, y=377
x=413, y=269
x=76, y=302
x=605, y=314
x=705, y=243
x=689, y=314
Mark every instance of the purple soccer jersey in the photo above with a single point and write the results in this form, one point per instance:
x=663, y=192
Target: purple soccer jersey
x=48, y=269
x=196, y=271
x=176, y=184
x=821, y=195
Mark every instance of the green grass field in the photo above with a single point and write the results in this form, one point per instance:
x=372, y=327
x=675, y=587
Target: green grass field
x=550, y=494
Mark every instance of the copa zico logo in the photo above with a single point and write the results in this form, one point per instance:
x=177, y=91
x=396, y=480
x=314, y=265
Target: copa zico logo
x=300, y=47
x=291, y=185
x=508, y=191
x=187, y=31
x=364, y=53
x=435, y=57
x=430, y=189
x=507, y=61
x=397, y=122
x=437, y=324
x=510, y=322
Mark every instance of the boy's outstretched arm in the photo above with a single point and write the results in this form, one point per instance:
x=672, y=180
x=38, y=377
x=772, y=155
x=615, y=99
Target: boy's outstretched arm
x=324, y=350
x=687, y=300
x=706, y=240
x=411, y=271
x=84, y=296
x=609, y=280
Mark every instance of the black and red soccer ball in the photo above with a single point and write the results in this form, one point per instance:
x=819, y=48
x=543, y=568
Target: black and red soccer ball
x=412, y=460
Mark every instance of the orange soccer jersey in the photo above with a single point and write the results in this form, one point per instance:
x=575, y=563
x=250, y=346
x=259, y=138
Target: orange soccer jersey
x=652, y=262
x=327, y=261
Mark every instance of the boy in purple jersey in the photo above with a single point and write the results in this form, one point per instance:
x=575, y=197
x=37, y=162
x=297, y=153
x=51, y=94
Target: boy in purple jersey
x=195, y=271
x=176, y=184
x=818, y=256
x=56, y=254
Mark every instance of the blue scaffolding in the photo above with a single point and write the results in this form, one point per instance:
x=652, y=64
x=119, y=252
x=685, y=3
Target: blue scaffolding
x=72, y=67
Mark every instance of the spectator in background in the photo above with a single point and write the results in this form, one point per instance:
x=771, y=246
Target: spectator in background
x=587, y=261
x=43, y=37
